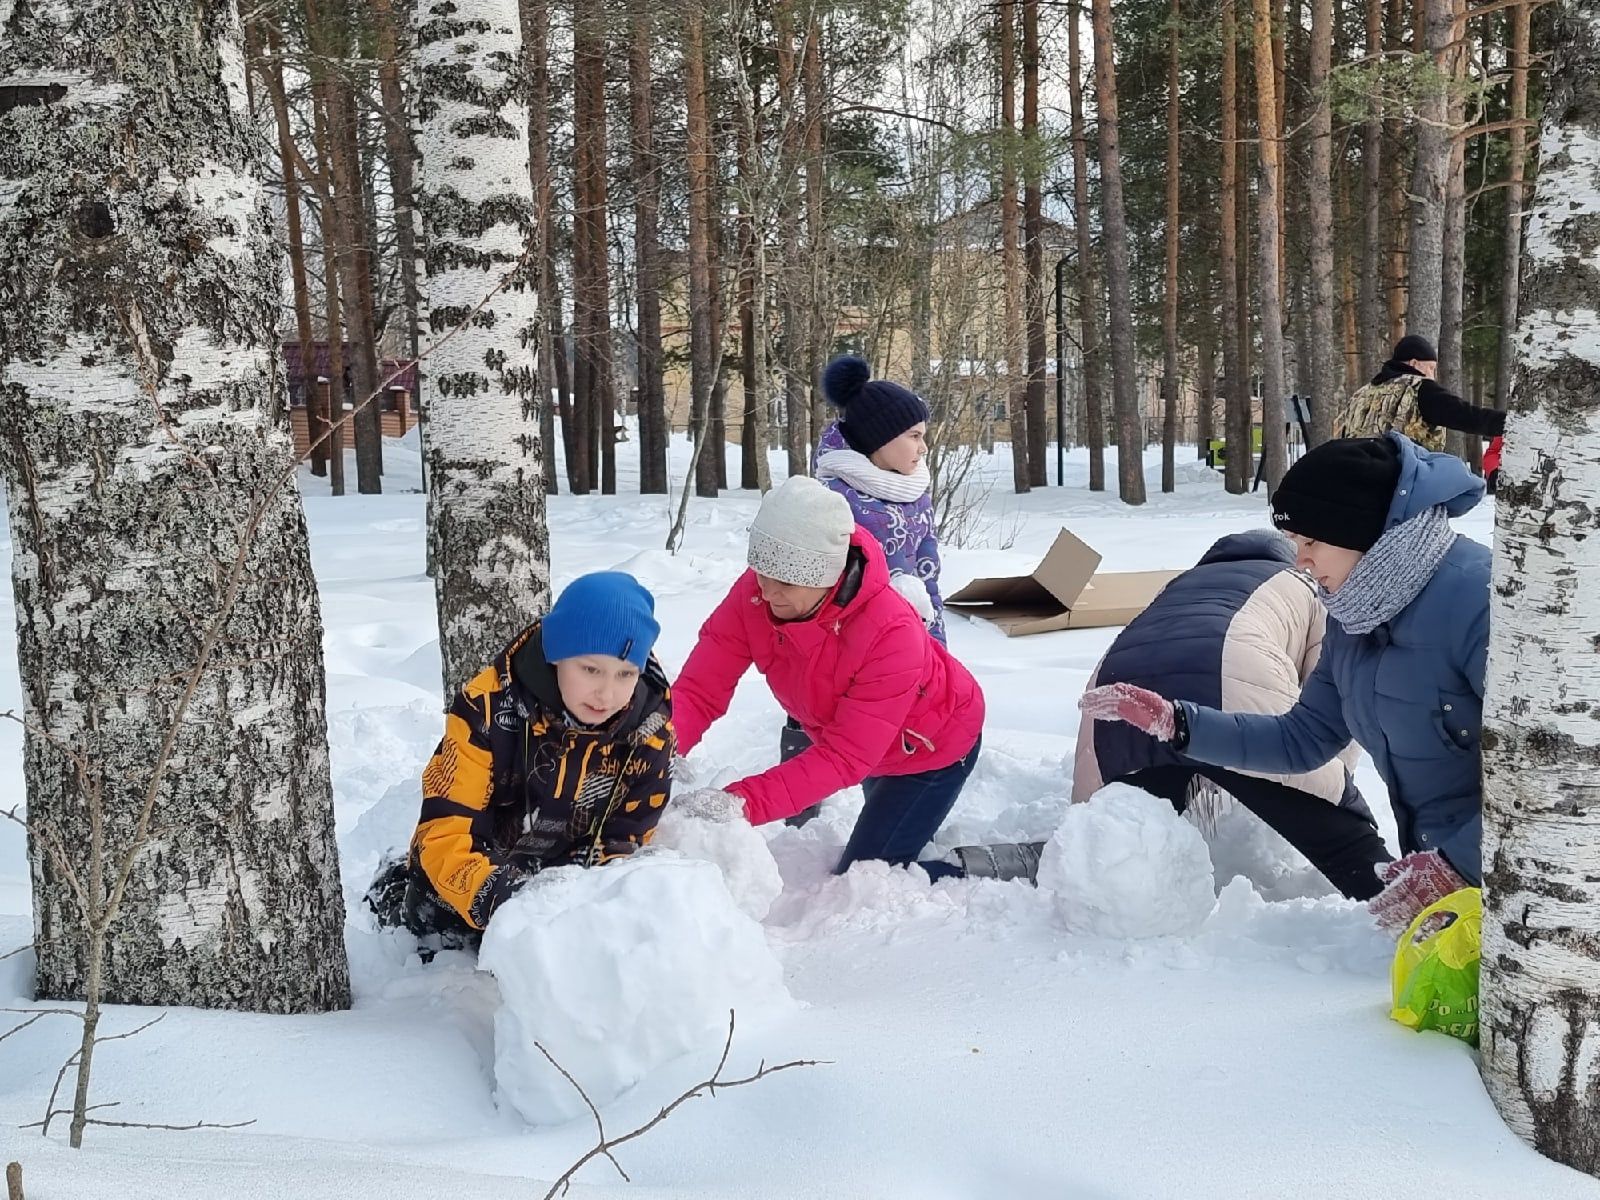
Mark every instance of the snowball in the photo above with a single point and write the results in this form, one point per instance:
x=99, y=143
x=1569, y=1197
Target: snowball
x=616, y=971
x=734, y=847
x=1126, y=865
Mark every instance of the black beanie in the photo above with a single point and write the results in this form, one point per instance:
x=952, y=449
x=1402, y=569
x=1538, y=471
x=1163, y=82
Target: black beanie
x=1340, y=492
x=875, y=410
x=1414, y=348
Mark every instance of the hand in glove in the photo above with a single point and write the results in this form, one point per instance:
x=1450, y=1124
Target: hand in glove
x=1410, y=885
x=916, y=594
x=683, y=772
x=710, y=804
x=1139, y=707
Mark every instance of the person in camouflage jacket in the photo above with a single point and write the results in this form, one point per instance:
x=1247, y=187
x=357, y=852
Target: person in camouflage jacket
x=560, y=752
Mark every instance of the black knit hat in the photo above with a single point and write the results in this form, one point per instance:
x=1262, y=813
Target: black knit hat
x=1414, y=348
x=1340, y=492
x=875, y=410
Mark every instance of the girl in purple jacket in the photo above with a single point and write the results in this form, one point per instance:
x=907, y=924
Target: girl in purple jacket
x=873, y=457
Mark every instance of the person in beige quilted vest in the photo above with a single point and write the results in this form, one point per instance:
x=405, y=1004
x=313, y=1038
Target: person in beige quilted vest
x=1405, y=397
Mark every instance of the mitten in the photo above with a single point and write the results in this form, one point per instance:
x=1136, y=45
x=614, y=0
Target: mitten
x=916, y=593
x=1139, y=707
x=1410, y=885
x=710, y=804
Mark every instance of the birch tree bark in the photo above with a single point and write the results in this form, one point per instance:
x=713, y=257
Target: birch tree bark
x=147, y=463
x=486, y=500
x=1540, y=1016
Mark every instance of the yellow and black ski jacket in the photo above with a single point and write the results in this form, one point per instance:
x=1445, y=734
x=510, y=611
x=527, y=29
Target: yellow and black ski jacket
x=516, y=784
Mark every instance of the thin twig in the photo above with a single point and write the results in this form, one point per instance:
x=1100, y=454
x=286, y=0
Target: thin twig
x=599, y=1124
x=39, y=1016
x=605, y=1147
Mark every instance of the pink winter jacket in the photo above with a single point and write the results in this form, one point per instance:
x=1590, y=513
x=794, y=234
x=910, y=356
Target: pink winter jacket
x=873, y=691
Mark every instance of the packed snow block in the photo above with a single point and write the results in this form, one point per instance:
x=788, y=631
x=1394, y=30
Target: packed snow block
x=1067, y=590
x=1126, y=865
x=616, y=971
x=736, y=848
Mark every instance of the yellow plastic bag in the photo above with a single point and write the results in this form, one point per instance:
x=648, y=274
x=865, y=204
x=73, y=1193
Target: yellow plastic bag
x=1435, y=974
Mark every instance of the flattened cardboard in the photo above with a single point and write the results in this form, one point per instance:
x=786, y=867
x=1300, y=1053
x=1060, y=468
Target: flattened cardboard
x=1063, y=592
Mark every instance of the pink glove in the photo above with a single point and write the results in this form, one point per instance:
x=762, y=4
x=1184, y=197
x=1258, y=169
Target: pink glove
x=1139, y=707
x=1410, y=885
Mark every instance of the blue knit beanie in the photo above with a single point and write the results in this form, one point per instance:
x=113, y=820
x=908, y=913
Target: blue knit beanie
x=875, y=410
x=608, y=612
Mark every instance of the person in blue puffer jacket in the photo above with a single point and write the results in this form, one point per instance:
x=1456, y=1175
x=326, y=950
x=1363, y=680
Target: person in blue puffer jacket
x=1402, y=664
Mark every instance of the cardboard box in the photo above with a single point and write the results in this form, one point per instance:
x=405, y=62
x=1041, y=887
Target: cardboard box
x=1064, y=592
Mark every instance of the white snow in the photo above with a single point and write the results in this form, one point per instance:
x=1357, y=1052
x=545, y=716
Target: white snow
x=977, y=1048
x=617, y=972
x=734, y=847
x=1126, y=865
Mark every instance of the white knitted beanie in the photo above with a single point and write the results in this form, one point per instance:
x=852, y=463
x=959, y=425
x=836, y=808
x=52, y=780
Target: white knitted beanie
x=801, y=534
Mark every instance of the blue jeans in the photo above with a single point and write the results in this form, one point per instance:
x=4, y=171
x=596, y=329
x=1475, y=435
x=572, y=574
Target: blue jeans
x=902, y=814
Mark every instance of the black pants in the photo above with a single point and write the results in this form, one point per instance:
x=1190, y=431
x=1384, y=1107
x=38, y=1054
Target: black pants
x=400, y=895
x=1342, y=844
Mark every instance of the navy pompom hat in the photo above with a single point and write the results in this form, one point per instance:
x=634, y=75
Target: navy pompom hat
x=875, y=410
x=608, y=612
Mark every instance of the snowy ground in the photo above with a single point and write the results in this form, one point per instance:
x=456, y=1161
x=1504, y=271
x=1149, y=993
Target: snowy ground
x=975, y=1047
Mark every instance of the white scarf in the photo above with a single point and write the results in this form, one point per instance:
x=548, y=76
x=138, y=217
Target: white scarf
x=861, y=473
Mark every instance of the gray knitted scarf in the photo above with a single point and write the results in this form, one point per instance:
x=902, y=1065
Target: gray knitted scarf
x=1392, y=573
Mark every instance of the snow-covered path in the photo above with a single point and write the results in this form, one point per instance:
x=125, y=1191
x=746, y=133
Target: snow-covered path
x=975, y=1048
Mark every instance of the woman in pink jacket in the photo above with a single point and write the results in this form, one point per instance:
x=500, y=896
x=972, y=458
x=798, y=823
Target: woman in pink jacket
x=884, y=704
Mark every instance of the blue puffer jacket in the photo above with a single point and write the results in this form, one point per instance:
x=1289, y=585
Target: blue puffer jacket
x=1411, y=691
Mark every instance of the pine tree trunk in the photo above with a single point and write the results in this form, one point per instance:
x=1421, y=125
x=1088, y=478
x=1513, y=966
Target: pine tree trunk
x=486, y=500
x=752, y=310
x=316, y=414
x=158, y=540
x=1011, y=249
x=334, y=405
x=719, y=326
x=1273, y=452
x=1206, y=401
x=819, y=333
x=1241, y=467
x=1130, y=430
x=1094, y=391
x=401, y=156
x=647, y=251
x=357, y=268
x=1236, y=410
x=1169, y=308
x=1033, y=245
x=1373, y=320
x=593, y=282
x=1430, y=177
x=704, y=362
x=1327, y=382
x=553, y=373
x=1540, y=1013
x=1453, y=268
x=792, y=273
x=1516, y=198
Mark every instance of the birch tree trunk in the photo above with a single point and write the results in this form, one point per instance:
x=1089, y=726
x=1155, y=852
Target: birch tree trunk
x=1094, y=388
x=486, y=500
x=146, y=458
x=1130, y=431
x=1540, y=1018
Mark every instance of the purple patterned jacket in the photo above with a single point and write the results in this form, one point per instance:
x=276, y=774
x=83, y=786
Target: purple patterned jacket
x=905, y=531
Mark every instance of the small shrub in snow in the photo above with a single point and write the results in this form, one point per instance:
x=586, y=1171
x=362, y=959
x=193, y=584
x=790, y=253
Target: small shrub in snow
x=616, y=971
x=1127, y=865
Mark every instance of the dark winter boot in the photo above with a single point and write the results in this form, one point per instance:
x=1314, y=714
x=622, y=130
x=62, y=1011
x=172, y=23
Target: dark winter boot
x=386, y=895
x=1007, y=860
x=792, y=741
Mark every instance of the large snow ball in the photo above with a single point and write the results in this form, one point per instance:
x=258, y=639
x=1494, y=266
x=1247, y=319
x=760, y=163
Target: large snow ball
x=1126, y=865
x=736, y=848
x=617, y=970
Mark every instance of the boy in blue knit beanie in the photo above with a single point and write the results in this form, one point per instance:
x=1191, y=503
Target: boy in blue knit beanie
x=560, y=752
